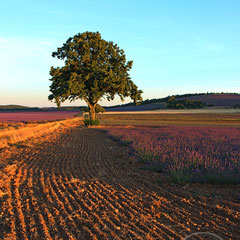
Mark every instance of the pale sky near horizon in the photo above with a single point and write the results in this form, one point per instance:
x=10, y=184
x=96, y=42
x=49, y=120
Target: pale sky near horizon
x=177, y=46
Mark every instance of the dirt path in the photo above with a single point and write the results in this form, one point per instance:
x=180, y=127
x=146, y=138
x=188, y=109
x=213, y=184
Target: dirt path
x=82, y=186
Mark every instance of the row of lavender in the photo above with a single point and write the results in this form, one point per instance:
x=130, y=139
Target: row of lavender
x=36, y=116
x=187, y=153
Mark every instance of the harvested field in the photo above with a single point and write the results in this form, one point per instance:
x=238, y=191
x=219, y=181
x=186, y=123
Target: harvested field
x=16, y=133
x=11, y=125
x=159, y=119
x=79, y=184
x=35, y=116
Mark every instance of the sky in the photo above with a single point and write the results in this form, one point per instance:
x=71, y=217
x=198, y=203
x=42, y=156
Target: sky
x=177, y=46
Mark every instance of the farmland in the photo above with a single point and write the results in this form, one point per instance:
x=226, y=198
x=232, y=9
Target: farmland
x=31, y=116
x=175, y=118
x=13, y=133
x=95, y=183
x=188, y=154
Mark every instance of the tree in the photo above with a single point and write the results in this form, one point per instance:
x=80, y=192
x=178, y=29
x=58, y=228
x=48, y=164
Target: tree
x=57, y=101
x=93, y=69
x=98, y=109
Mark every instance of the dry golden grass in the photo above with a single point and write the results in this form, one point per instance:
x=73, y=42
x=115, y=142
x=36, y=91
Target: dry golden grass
x=15, y=135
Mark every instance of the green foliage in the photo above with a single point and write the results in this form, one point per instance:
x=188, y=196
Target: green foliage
x=126, y=143
x=98, y=109
x=147, y=156
x=93, y=68
x=89, y=122
x=186, y=103
x=153, y=167
x=221, y=178
x=181, y=176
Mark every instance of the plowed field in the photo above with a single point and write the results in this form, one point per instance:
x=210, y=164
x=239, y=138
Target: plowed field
x=79, y=184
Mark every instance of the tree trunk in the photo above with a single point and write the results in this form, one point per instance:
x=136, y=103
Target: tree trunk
x=92, y=113
x=58, y=102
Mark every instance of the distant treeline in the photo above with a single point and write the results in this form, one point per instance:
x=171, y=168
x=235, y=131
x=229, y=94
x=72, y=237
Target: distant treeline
x=67, y=108
x=185, y=103
x=12, y=108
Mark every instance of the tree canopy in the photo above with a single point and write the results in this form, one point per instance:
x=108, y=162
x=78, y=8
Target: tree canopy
x=93, y=69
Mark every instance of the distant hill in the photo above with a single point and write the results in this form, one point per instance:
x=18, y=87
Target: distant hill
x=215, y=99
x=142, y=107
x=13, y=107
x=18, y=108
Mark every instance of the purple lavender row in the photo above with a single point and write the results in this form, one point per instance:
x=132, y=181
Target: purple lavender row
x=189, y=154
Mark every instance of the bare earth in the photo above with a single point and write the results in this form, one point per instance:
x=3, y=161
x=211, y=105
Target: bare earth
x=80, y=184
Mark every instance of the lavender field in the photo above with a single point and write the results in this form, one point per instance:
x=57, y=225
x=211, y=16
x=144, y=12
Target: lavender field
x=186, y=153
x=35, y=116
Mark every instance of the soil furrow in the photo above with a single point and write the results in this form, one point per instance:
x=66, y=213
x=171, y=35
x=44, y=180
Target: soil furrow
x=79, y=184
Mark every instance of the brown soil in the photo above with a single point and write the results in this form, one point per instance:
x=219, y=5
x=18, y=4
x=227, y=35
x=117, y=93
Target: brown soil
x=80, y=184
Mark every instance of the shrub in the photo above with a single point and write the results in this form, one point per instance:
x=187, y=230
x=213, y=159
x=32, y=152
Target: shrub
x=154, y=167
x=126, y=143
x=224, y=177
x=89, y=122
x=181, y=176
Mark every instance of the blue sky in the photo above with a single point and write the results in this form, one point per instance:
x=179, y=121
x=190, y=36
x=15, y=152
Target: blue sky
x=177, y=46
